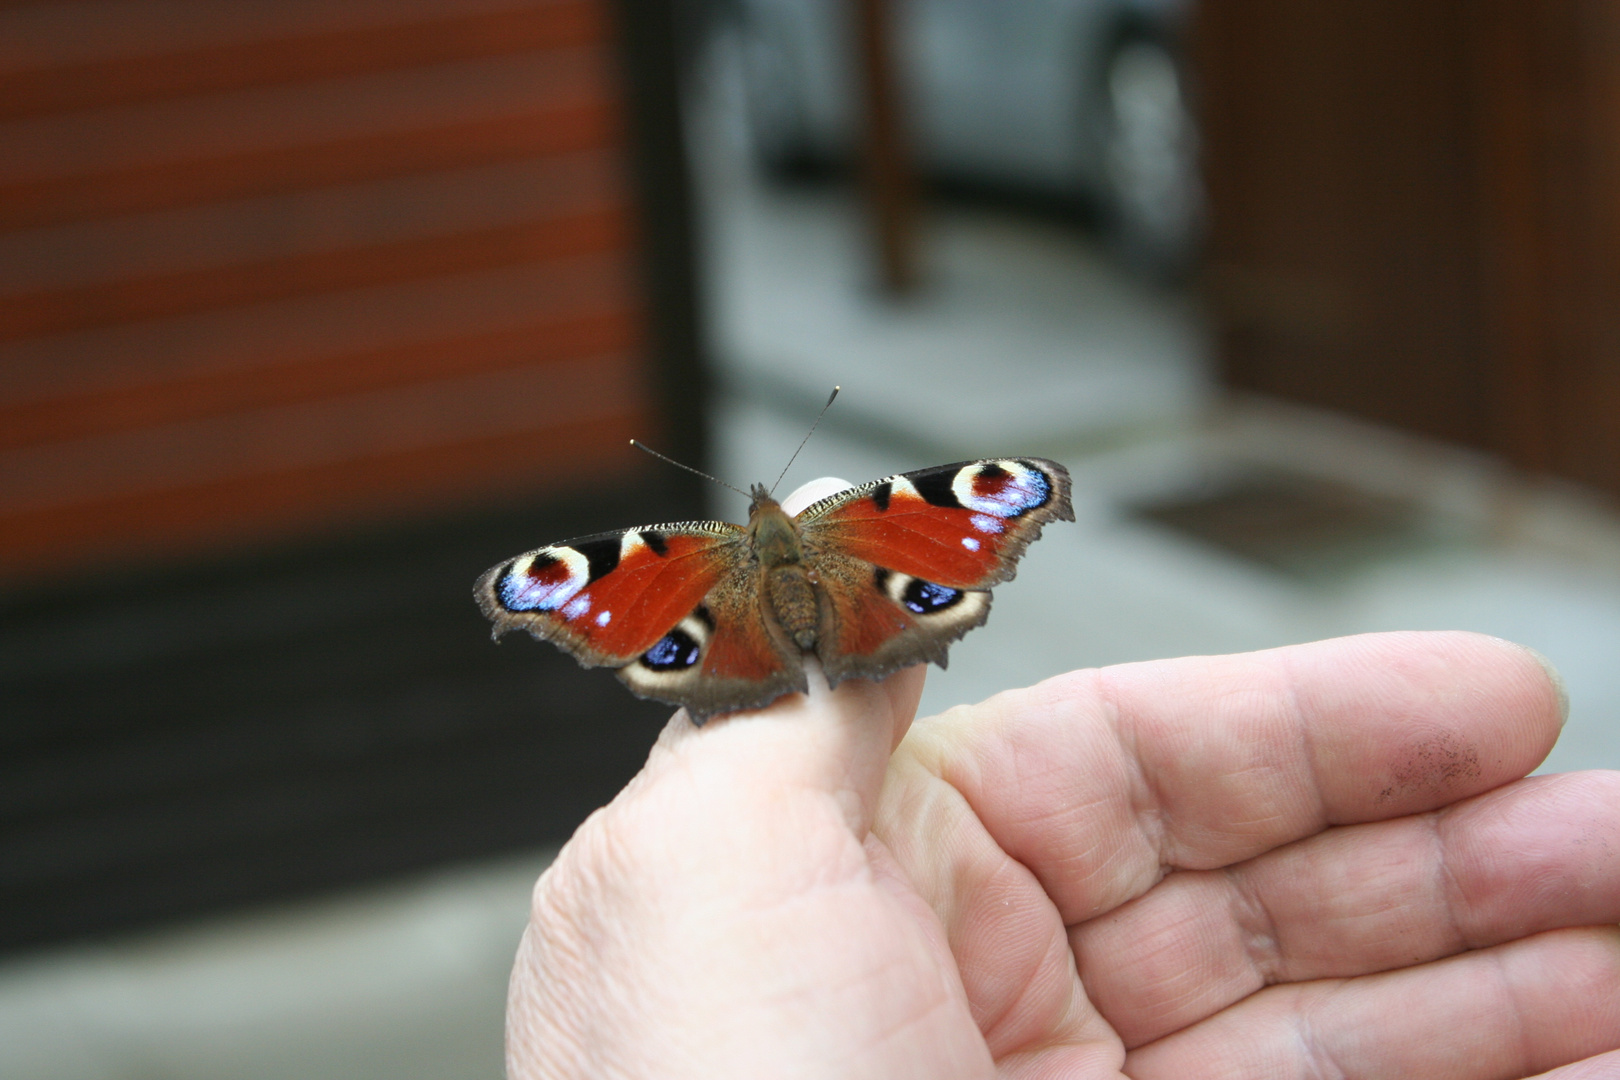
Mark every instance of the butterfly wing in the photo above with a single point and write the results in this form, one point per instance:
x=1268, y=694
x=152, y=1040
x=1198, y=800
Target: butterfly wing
x=722, y=657
x=906, y=562
x=674, y=607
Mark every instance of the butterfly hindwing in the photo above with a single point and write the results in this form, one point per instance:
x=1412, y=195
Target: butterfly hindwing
x=721, y=657
x=876, y=621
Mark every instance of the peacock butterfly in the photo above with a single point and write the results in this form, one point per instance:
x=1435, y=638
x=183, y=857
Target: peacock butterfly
x=717, y=617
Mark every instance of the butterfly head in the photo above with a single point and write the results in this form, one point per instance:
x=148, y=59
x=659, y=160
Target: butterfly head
x=759, y=495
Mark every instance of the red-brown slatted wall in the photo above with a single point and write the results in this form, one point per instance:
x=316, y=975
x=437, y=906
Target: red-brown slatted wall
x=266, y=267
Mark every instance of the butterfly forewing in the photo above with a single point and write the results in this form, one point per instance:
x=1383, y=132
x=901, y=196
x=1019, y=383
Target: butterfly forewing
x=962, y=526
x=611, y=597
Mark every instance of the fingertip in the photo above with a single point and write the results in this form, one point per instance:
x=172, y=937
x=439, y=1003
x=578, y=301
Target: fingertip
x=834, y=739
x=1560, y=688
x=1444, y=714
x=813, y=492
x=905, y=689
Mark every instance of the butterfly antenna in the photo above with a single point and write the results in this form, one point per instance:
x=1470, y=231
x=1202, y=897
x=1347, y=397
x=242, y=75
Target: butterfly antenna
x=807, y=435
x=688, y=468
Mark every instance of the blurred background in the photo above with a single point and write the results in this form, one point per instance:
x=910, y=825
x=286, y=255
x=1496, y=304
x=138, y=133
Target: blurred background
x=310, y=312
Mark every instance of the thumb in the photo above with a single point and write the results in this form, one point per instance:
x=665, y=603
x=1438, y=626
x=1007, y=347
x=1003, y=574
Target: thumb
x=835, y=741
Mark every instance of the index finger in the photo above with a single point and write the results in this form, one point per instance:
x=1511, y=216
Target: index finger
x=1101, y=781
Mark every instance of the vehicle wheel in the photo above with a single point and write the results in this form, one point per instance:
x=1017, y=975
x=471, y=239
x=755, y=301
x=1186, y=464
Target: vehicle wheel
x=1153, y=197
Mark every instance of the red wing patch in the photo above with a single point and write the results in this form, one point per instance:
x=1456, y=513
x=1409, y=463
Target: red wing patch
x=740, y=646
x=961, y=525
x=609, y=598
x=865, y=621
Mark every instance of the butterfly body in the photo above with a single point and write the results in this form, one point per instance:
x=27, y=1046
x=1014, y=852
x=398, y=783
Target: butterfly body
x=718, y=617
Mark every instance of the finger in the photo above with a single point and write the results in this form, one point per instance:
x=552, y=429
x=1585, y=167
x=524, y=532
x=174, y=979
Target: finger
x=1043, y=807
x=1540, y=854
x=1512, y=1010
x=835, y=741
x=828, y=742
x=1100, y=781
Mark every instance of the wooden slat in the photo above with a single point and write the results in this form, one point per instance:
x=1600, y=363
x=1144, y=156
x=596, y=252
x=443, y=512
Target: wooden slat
x=286, y=138
x=316, y=432
x=274, y=507
x=48, y=313
x=62, y=57
x=270, y=474
x=215, y=235
x=574, y=235
x=228, y=392
x=303, y=332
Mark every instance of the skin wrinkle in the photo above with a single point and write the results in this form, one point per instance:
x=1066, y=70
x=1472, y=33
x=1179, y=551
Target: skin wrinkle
x=1006, y=865
x=1192, y=986
x=940, y=999
x=569, y=951
x=1301, y=804
x=1314, y=1049
x=1100, y=865
x=782, y=911
x=1516, y=1007
x=1056, y=952
x=1305, y=736
x=1146, y=803
x=1000, y=711
x=1245, y=823
x=1454, y=898
x=802, y=992
x=1268, y=966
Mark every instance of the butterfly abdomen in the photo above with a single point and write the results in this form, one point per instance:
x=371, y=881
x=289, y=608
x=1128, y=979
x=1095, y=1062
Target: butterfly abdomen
x=793, y=601
x=788, y=593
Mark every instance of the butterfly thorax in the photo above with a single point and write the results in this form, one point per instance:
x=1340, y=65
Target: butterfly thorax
x=789, y=591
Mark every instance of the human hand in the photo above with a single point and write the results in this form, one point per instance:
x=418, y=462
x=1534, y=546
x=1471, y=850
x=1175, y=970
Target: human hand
x=1315, y=860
